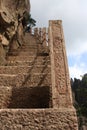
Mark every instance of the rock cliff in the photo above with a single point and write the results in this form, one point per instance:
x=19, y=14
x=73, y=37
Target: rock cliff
x=11, y=26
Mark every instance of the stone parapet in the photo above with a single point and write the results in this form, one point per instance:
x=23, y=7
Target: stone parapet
x=34, y=119
x=59, y=69
x=61, y=89
x=35, y=91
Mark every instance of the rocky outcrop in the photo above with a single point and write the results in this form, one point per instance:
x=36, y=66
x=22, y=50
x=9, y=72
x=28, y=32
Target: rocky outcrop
x=11, y=28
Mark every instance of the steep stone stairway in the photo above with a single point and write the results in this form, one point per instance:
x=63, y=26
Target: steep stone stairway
x=25, y=80
x=28, y=100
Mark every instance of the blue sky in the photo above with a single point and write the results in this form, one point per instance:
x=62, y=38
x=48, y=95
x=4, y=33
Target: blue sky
x=73, y=13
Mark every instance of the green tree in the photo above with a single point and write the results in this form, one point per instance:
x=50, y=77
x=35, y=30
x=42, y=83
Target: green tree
x=31, y=21
x=79, y=87
x=28, y=20
x=84, y=81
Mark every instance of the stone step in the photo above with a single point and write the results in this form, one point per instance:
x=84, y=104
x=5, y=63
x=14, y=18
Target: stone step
x=28, y=48
x=32, y=58
x=20, y=53
x=24, y=69
x=38, y=119
x=34, y=48
x=33, y=52
x=30, y=42
x=29, y=53
x=29, y=39
x=7, y=79
x=28, y=63
x=30, y=45
x=28, y=80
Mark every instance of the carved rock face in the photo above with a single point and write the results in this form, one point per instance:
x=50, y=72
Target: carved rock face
x=10, y=12
x=16, y=5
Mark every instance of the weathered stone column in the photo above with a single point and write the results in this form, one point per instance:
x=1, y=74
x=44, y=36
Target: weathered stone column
x=36, y=32
x=44, y=37
x=61, y=89
x=40, y=34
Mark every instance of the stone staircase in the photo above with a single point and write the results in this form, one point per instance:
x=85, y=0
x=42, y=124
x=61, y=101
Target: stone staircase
x=27, y=70
x=35, y=91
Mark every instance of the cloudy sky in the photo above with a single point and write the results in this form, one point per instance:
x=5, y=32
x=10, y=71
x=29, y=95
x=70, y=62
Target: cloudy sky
x=73, y=13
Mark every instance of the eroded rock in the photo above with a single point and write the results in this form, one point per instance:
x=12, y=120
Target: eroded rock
x=11, y=29
x=4, y=40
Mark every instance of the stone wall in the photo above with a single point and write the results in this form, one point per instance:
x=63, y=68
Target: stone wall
x=19, y=102
x=59, y=69
x=11, y=29
x=61, y=89
x=38, y=119
x=30, y=99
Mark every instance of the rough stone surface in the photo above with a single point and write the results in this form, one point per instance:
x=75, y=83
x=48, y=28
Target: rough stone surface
x=2, y=55
x=38, y=119
x=34, y=85
x=22, y=84
x=59, y=69
x=11, y=30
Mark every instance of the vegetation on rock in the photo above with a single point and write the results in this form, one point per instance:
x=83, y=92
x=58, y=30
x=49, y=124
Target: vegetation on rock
x=28, y=21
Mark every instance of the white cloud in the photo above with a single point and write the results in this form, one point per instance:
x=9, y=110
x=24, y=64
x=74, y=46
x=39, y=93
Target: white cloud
x=74, y=16
x=77, y=48
x=77, y=71
x=73, y=13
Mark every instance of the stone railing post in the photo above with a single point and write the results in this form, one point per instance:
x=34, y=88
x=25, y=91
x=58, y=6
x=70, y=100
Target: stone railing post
x=36, y=32
x=40, y=35
x=61, y=89
x=44, y=37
